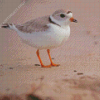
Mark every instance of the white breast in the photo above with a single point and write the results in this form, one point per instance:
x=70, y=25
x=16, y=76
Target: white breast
x=52, y=38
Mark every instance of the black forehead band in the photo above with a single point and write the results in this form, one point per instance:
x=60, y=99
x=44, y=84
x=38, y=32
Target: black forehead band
x=69, y=12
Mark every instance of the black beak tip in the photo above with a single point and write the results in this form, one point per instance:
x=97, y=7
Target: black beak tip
x=75, y=21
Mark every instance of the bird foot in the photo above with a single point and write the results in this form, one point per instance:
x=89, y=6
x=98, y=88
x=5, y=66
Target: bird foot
x=56, y=65
x=47, y=66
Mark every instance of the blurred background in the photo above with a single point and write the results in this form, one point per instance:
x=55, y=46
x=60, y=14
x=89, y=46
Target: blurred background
x=79, y=57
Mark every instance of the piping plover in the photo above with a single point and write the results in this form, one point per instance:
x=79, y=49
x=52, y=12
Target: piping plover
x=46, y=32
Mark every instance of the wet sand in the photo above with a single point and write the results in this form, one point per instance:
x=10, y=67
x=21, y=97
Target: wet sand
x=77, y=77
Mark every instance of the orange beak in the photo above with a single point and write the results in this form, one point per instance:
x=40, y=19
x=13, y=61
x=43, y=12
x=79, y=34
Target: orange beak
x=73, y=20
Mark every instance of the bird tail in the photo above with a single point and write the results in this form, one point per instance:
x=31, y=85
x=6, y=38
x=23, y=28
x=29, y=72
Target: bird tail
x=8, y=26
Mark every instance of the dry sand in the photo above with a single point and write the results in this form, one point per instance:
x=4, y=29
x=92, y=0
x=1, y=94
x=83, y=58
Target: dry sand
x=77, y=77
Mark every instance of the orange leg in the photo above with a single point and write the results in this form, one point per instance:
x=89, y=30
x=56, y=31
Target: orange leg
x=52, y=64
x=42, y=65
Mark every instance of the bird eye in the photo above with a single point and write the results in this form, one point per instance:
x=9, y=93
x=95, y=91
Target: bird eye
x=62, y=15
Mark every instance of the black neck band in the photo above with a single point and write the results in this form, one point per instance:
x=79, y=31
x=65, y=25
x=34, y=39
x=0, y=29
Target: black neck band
x=53, y=22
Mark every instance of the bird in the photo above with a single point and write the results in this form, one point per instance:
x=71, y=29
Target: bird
x=46, y=32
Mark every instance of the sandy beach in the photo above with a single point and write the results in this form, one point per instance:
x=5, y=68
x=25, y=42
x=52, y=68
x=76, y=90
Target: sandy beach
x=77, y=77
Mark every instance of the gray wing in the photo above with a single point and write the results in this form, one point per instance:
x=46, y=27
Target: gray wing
x=39, y=24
